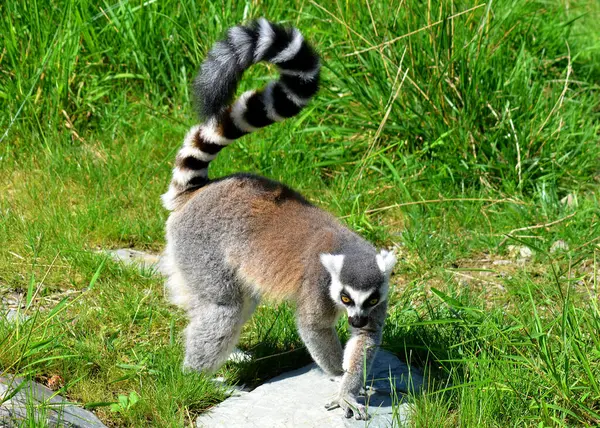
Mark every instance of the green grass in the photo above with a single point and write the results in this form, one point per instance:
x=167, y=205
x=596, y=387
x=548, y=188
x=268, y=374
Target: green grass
x=481, y=121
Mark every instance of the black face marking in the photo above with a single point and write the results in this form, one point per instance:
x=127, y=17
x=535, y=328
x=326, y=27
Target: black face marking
x=373, y=299
x=346, y=300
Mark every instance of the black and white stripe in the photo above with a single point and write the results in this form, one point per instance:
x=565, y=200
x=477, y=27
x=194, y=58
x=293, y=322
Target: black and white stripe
x=215, y=87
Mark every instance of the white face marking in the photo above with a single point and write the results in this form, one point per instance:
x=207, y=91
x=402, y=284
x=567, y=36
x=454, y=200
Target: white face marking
x=359, y=297
x=386, y=261
x=333, y=263
x=354, y=311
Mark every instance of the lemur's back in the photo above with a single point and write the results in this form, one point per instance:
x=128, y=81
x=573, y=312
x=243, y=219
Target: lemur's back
x=262, y=232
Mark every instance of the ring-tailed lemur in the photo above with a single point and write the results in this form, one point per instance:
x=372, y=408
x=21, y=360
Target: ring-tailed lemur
x=233, y=240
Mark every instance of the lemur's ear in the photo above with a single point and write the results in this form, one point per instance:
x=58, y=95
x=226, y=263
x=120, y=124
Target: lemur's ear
x=386, y=261
x=333, y=263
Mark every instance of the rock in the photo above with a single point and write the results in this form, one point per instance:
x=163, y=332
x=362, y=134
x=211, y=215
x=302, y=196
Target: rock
x=521, y=251
x=298, y=398
x=31, y=397
x=13, y=298
x=389, y=374
x=140, y=259
x=559, y=245
x=12, y=307
x=525, y=252
x=13, y=315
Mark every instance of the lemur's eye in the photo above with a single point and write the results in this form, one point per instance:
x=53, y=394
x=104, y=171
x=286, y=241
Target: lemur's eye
x=373, y=302
x=346, y=299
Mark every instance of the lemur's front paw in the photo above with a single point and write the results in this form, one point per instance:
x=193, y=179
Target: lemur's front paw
x=350, y=407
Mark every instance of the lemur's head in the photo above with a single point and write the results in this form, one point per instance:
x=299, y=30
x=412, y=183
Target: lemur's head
x=359, y=283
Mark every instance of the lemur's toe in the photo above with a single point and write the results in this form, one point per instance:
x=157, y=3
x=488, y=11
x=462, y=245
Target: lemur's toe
x=332, y=405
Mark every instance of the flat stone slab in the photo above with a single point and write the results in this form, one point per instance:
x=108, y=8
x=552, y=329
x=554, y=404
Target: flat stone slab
x=12, y=303
x=12, y=315
x=298, y=398
x=35, y=403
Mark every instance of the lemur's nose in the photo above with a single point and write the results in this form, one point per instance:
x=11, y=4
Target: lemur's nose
x=358, y=322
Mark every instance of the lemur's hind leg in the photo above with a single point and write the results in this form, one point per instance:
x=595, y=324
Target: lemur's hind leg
x=213, y=332
x=237, y=355
x=316, y=326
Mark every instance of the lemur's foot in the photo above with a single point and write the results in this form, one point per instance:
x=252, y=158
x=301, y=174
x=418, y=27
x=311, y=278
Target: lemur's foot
x=350, y=406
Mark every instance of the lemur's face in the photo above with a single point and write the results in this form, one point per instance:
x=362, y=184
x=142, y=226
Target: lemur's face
x=357, y=284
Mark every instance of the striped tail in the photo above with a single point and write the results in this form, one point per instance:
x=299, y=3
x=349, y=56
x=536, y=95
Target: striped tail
x=215, y=87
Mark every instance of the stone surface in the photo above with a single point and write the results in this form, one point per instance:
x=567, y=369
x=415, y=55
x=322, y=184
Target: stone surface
x=12, y=305
x=12, y=315
x=521, y=252
x=30, y=397
x=298, y=398
x=140, y=259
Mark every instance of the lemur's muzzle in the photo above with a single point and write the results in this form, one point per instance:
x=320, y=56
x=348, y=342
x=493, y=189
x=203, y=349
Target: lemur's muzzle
x=358, y=322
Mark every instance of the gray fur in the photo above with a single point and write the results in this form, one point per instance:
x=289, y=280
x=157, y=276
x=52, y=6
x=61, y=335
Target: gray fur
x=210, y=239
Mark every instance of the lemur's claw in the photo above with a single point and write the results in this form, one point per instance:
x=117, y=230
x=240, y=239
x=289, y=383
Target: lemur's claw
x=332, y=405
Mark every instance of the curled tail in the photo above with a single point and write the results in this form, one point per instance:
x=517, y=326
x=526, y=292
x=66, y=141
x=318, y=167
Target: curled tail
x=215, y=87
